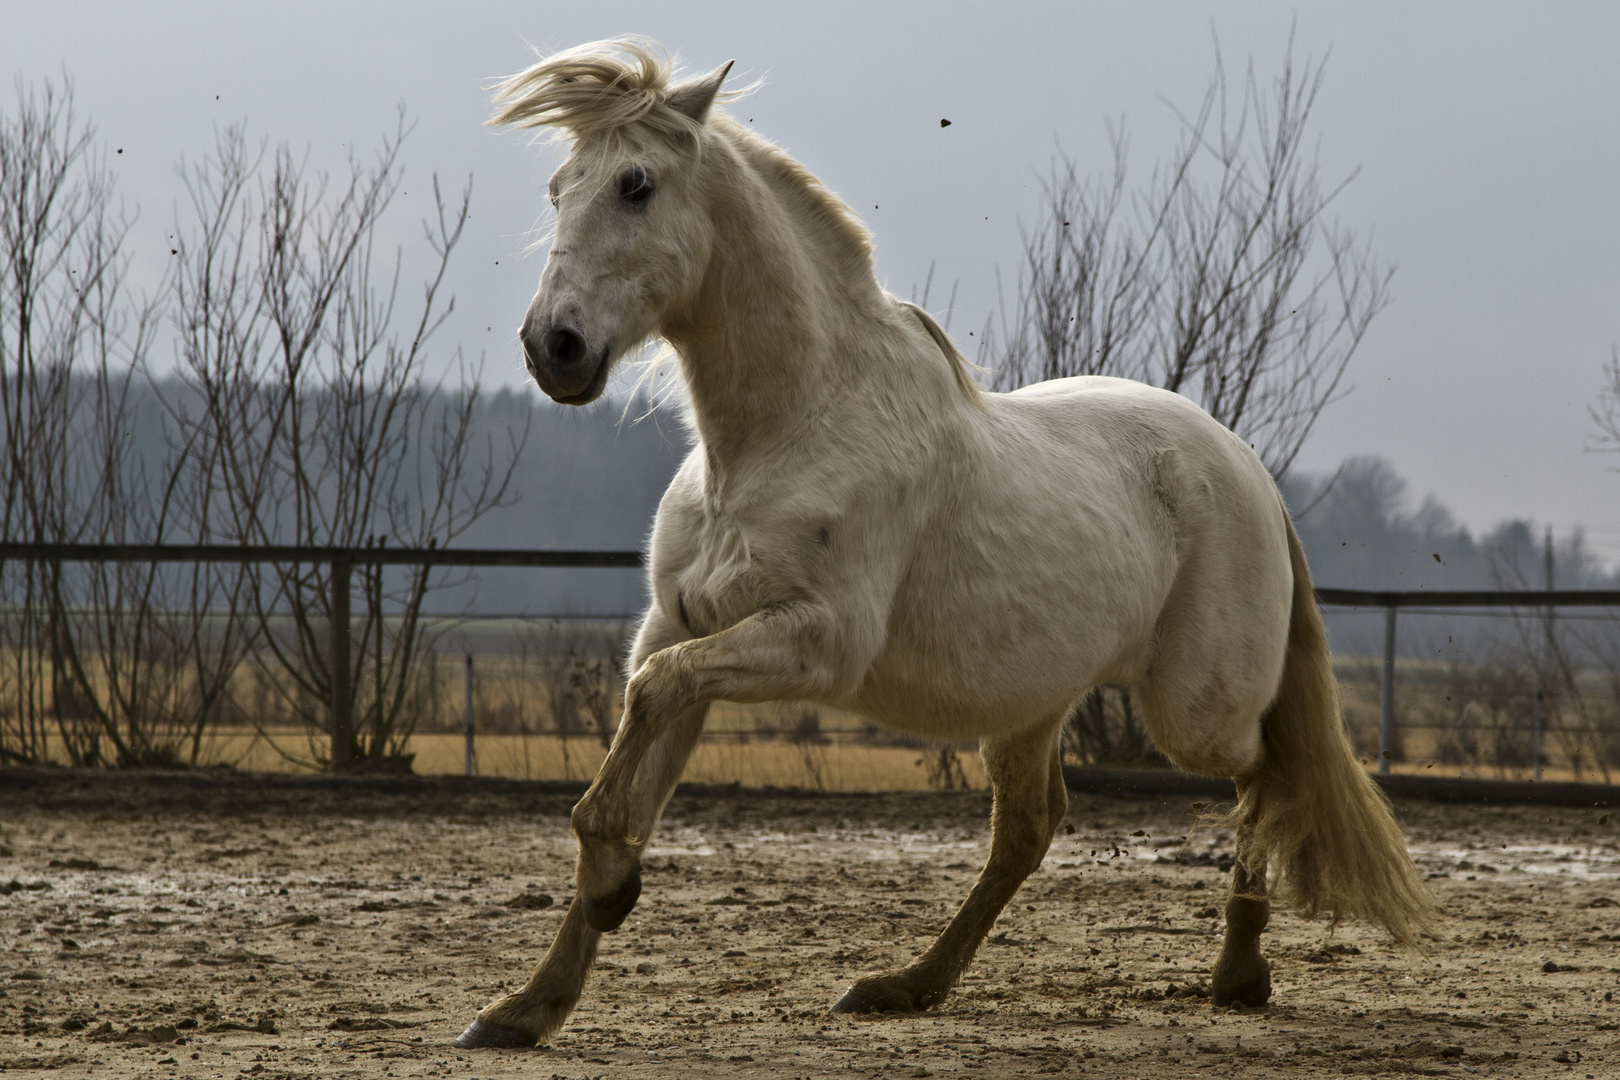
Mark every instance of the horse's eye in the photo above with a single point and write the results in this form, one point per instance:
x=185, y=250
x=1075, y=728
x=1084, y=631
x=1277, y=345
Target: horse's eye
x=636, y=186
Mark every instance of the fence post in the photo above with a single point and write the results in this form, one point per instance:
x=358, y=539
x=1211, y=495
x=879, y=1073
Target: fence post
x=342, y=704
x=1386, y=701
x=1539, y=730
x=469, y=714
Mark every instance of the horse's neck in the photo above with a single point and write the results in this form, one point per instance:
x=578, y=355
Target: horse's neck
x=776, y=330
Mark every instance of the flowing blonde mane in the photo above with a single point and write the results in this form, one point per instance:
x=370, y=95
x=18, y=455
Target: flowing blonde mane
x=595, y=89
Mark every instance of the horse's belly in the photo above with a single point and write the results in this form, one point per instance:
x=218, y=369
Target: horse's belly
x=986, y=656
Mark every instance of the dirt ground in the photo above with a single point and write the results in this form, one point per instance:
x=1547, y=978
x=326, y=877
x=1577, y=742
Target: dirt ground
x=223, y=925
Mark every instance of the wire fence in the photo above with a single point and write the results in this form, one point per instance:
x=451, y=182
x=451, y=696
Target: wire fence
x=534, y=694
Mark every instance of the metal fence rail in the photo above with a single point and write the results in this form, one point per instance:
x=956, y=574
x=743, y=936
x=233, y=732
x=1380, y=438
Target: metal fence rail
x=342, y=560
x=1544, y=600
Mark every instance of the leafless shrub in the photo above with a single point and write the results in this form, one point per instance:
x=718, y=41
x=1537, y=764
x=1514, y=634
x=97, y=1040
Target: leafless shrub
x=118, y=664
x=803, y=725
x=1104, y=728
x=1223, y=278
x=1579, y=719
x=942, y=765
x=1480, y=713
x=303, y=397
x=1606, y=413
x=594, y=685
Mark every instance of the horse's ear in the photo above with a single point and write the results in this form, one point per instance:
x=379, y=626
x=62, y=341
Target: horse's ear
x=694, y=98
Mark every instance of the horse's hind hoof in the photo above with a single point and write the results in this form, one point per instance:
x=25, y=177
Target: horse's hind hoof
x=483, y=1033
x=1252, y=990
x=605, y=914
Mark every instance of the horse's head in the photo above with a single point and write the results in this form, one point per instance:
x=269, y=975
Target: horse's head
x=633, y=234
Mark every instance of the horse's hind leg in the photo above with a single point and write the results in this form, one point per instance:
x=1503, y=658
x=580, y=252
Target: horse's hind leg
x=1030, y=801
x=1242, y=976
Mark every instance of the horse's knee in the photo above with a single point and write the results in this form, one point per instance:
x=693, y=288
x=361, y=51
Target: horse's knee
x=608, y=877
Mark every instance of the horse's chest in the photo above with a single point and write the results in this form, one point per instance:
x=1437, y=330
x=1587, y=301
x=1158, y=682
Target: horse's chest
x=721, y=584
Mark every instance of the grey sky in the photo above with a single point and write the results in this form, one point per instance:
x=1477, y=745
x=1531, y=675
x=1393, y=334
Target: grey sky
x=1488, y=138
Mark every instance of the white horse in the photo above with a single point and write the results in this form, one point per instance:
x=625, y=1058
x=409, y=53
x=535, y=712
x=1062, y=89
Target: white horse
x=861, y=525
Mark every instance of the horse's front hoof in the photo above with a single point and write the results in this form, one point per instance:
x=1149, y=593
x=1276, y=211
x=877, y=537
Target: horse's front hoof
x=606, y=913
x=879, y=994
x=483, y=1033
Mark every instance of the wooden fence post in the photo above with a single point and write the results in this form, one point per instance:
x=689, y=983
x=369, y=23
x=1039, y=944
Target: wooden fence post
x=342, y=704
x=470, y=758
x=1386, y=700
x=1539, y=731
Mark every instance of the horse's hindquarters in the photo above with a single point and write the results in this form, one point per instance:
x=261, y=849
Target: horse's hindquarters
x=1221, y=639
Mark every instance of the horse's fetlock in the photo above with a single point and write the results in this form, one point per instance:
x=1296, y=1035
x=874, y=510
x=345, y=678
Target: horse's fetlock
x=605, y=912
x=1247, y=916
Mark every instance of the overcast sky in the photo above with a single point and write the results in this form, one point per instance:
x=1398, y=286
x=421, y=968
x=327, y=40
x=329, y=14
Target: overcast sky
x=1488, y=138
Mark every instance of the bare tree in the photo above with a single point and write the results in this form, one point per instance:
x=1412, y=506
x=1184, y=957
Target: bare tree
x=305, y=397
x=1606, y=413
x=51, y=188
x=99, y=659
x=1224, y=278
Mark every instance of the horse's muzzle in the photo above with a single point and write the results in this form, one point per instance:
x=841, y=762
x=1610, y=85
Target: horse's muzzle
x=563, y=363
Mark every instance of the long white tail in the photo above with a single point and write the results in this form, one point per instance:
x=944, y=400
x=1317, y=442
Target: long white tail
x=1315, y=813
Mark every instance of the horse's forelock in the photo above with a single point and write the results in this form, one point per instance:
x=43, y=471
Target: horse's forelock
x=594, y=89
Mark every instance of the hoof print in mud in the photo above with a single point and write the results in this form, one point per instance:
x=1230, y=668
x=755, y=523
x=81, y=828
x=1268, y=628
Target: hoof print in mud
x=605, y=914
x=481, y=1033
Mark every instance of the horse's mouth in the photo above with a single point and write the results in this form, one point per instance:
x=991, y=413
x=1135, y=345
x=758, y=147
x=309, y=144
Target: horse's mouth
x=580, y=386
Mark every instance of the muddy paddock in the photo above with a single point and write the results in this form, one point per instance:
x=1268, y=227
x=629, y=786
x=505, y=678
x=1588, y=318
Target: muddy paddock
x=224, y=925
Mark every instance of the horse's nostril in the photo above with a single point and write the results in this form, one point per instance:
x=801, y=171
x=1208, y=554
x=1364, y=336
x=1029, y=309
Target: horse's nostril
x=565, y=347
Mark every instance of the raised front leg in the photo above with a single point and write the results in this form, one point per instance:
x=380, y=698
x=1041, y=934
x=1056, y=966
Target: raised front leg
x=1027, y=811
x=782, y=653
x=762, y=658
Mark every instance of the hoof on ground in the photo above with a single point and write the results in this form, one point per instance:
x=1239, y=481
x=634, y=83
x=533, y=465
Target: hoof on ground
x=1251, y=993
x=605, y=914
x=873, y=996
x=483, y=1033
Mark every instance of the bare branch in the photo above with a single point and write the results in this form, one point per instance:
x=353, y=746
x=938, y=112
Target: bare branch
x=1223, y=279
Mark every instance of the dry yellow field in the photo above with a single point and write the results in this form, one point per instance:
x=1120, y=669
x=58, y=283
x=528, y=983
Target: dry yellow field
x=836, y=765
